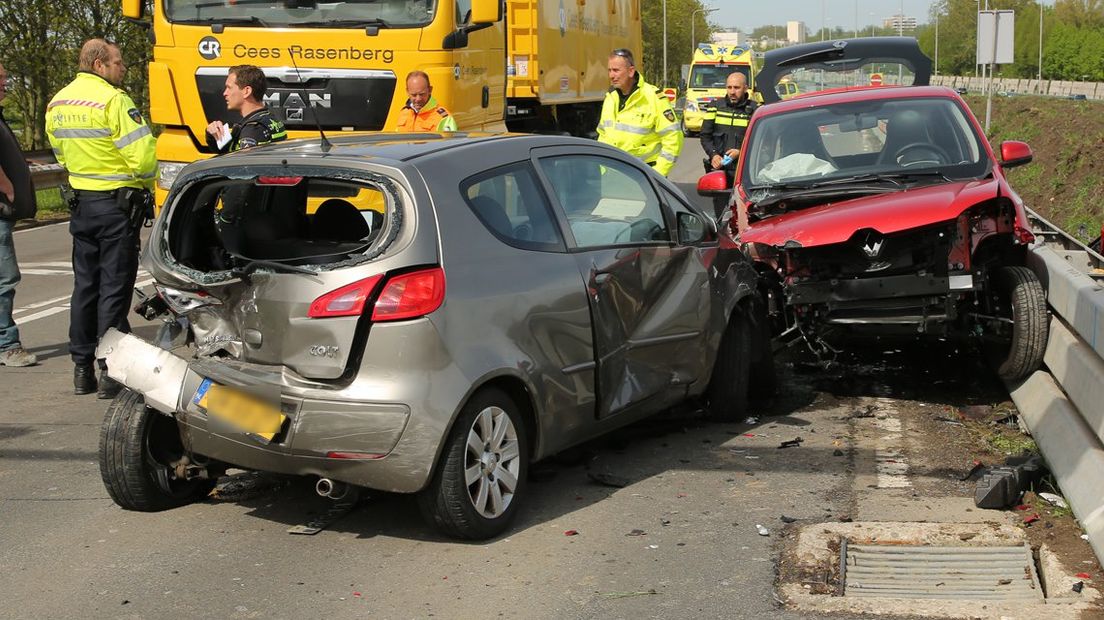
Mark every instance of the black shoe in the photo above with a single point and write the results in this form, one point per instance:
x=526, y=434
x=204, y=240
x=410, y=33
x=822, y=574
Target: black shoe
x=84, y=379
x=109, y=387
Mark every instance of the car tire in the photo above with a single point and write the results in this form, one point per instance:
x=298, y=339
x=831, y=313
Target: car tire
x=475, y=494
x=728, y=385
x=136, y=445
x=763, y=375
x=1020, y=297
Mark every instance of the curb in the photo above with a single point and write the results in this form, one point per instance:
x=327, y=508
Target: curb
x=28, y=224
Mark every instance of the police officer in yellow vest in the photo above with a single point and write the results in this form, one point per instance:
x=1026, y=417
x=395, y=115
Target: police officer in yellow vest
x=101, y=139
x=637, y=118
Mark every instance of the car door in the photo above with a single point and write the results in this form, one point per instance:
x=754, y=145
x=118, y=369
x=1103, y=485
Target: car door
x=649, y=296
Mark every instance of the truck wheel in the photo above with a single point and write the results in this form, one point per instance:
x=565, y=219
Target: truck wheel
x=728, y=386
x=1020, y=298
x=764, y=376
x=478, y=486
x=137, y=444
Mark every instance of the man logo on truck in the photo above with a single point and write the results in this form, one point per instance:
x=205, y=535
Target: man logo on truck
x=210, y=48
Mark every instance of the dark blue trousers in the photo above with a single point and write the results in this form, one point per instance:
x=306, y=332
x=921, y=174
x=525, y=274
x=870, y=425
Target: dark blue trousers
x=105, y=265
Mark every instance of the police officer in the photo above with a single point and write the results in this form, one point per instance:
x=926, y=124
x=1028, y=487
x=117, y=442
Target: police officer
x=422, y=112
x=725, y=124
x=244, y=93
x=101, y=139
x=637, y=117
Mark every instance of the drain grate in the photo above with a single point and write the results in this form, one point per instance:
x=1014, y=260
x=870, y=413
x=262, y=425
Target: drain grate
x=989, y=573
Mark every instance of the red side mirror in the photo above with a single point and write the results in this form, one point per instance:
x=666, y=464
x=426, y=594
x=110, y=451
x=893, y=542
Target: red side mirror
x=1015, y=153
x=713, y=184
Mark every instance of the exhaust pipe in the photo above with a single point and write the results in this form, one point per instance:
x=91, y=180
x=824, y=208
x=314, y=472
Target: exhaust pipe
x=331, y=489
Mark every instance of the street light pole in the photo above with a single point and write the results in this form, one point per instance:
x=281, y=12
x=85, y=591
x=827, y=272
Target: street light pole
x=1040, y=43
x=693, y=15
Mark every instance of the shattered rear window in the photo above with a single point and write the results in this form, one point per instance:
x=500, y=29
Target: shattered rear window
x=221, y=224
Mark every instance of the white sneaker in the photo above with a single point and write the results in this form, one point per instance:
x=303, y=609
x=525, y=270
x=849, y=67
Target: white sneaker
x=17, y=357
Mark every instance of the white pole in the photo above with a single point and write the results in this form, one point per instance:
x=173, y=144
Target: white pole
x=937, y=43
x=823, y=17
x=664, y=85
x=989, y=99
x=856, y=19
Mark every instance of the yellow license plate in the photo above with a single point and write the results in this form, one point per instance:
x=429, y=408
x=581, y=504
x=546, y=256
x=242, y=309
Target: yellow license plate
x=244, y=412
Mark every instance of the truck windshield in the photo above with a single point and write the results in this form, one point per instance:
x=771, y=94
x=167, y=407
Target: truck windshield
x=303, y=13
x=714, y=76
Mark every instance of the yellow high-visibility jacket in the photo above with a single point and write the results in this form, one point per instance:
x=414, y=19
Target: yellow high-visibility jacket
x=646, y=127
x=100, y=137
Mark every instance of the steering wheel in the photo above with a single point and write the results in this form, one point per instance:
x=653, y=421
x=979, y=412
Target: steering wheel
x=940, y=154
x=640, y=230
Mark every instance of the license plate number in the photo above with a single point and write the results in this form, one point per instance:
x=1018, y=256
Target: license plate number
x=244, y=412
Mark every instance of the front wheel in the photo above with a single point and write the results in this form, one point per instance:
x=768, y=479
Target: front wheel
x=139, y=448
x=728, y=386
x=481, y=479
x=1019, y=299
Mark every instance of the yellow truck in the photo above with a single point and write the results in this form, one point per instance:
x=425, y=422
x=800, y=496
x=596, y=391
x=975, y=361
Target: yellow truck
x=341, y=65
x=709, y=68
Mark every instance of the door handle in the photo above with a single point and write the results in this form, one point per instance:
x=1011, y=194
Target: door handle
x=486, y=96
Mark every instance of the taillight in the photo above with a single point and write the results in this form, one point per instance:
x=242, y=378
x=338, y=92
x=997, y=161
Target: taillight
x=346, y=301
x=411, y=295
x=183, y=302
x=287, y=181
x=1023, y=235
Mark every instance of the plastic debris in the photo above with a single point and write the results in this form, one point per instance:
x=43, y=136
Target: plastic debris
x=1028, y=520
x=1078, y=586
x=793, y=443
x=1084, y=537
x=749, y=434
x=762, y=530
x=653, y=546
x=1055, y=500
x=571, y=533
x=751, y=420
x=1083, y=576
x=1000, y=487
x=786, y=519
x=977, y=467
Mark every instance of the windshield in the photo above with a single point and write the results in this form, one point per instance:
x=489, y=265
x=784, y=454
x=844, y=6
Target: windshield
x=714, y=76
x=306, y=13
x=914, y=137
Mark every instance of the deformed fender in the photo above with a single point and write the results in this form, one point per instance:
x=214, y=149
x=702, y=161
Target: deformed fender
x=153, y=372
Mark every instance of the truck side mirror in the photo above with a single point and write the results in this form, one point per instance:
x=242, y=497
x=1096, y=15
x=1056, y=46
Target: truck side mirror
x=486, y=11
x=134, y=9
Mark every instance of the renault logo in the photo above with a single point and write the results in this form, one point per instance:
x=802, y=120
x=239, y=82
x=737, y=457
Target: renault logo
x=873, y=246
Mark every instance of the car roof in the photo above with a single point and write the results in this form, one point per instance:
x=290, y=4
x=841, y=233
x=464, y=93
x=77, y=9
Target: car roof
x=863, y=93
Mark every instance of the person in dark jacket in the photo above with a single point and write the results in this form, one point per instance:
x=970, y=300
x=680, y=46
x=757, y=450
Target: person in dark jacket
x=244, y=94
x=725, y=125
x=17, y=202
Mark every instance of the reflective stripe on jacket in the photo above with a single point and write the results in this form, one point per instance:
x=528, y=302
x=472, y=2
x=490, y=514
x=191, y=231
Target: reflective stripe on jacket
x=725, y=125
x=431, y=117
x=645, y=128
x=100, y=137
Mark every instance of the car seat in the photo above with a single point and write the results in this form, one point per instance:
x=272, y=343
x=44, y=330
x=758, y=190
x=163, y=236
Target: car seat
x=338, y=220
x=905, y=127
x=493, y=215
x=803, y=136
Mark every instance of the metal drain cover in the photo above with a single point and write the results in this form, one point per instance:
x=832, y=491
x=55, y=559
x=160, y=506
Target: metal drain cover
x=896, y=571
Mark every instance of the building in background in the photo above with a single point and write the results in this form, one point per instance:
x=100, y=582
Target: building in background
x=795, y=32
x=900, y=23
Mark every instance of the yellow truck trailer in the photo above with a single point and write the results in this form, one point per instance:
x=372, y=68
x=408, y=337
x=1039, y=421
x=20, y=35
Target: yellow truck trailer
x=709, y=68
x=341, y=65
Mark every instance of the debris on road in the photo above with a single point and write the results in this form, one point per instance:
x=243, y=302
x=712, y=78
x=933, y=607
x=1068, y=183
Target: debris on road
x=637, y=532
x=786, y=519
x=1078, y=586
x=978, y=466
x=762, y=530
x=1028, y=520
x=571, y=533
x=609, y=480
x=751, y=420
x=628, y=594
x=1001, y=487
x=793, y=443
x=1055, y=500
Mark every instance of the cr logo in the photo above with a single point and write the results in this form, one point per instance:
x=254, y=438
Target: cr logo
x=210, y=48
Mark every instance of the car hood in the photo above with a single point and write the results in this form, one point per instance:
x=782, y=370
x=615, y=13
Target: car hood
x=886, y=213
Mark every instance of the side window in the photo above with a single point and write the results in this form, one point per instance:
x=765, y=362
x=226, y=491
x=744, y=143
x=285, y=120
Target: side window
x=463, y=11
x=510, y=203
x=606, y=201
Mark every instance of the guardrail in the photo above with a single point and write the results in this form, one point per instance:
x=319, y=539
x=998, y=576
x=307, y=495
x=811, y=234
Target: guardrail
x=1024, y=86
x=1063, y=404
x=45, y=171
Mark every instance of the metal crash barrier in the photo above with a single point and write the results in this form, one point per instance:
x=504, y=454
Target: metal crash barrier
x=1062, y=404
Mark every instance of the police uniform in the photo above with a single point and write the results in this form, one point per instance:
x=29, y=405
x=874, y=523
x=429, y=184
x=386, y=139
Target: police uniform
x=724, y=128
x=642, y=124
x=101, y=139
x=258, y=127
x=431, y=117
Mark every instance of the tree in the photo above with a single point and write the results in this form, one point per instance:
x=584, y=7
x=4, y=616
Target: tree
x=680, y=49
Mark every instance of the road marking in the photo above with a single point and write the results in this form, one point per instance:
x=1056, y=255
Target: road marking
x=57, y=309
x=50, y=263
x=890, y=461
x=39, y=304
x=45, y=272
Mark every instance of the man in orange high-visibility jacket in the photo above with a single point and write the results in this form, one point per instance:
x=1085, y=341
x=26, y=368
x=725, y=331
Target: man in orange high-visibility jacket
x=421, y=112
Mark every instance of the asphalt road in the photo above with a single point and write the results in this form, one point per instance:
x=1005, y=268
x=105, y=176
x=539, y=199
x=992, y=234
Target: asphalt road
x=678, y=540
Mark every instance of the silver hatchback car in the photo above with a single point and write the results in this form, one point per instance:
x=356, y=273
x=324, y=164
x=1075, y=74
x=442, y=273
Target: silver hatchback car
x=421, y=314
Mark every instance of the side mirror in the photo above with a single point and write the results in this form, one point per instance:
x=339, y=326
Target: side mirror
x=486, y=11
x=714, y=184
x=691, y=229
x=1015, y=153
x=133, y=9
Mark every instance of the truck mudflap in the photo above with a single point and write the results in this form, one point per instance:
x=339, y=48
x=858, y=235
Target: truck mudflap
x=153, y=372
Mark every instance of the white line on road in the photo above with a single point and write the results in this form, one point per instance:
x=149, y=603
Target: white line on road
x=45, y=272
x=50, y=263
x=52, y=311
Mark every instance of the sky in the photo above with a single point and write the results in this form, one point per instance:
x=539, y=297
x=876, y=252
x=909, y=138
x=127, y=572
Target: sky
x=749, y=14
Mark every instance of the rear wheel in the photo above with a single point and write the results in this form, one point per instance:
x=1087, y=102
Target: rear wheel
x=138, y=450
x=1019, y=298
x=476, y=490
x=728, y=386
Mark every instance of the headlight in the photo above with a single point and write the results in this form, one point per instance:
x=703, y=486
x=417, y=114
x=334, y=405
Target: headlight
x=691, y=106
x=166, y=173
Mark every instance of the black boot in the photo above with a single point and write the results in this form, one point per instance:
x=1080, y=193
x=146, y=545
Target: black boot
x=109, y=387
x=84, y=379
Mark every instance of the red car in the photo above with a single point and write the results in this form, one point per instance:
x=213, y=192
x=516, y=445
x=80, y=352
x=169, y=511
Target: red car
x=882, y=208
